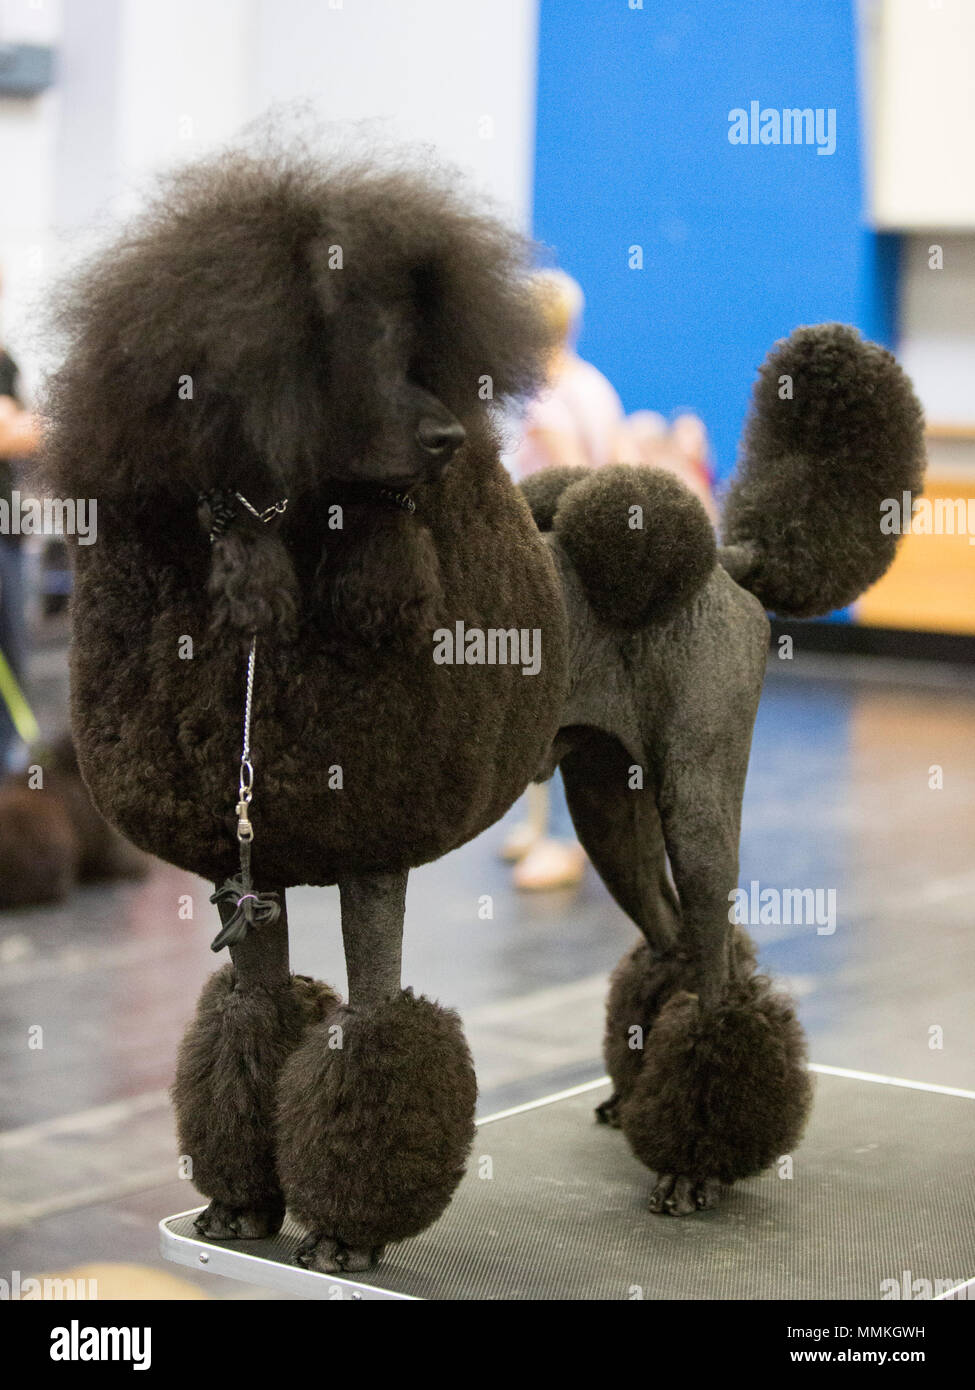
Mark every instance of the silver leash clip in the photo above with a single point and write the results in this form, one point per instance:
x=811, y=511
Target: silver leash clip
x=245, y=792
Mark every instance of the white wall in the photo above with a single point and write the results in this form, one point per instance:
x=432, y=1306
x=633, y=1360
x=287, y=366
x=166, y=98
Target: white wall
x=143, y=84
x=921, y=59
x=937, y=323
x=28, y=142
x=459, y=74
x=87, y=68
x=147, y=83
x=918, y=70
x=184, y=81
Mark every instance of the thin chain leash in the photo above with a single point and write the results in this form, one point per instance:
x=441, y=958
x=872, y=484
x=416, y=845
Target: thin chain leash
x=245, y=787
x=250, y=908
x=269, y=513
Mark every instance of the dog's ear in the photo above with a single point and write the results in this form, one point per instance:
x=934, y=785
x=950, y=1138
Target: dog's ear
x=193, y=345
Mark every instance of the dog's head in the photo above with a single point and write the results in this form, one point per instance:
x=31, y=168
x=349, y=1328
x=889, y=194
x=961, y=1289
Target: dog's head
x=271, y=323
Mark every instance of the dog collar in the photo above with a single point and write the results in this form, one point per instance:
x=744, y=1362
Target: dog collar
x=220, y=506
x=359, y=493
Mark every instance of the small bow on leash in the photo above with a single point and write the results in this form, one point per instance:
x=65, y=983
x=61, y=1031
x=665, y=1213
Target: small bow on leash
x=250, y=909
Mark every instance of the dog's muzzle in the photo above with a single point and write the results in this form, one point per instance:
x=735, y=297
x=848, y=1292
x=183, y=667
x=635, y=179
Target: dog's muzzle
x=440, y=438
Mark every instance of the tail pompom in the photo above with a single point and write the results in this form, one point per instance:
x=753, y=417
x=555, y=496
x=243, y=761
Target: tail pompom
x=835, y=430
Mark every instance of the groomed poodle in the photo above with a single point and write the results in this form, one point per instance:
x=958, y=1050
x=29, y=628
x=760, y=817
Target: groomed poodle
x=282, y=386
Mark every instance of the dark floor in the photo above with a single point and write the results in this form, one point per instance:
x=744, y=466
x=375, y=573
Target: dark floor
x=881, y=1194
x=838, y=798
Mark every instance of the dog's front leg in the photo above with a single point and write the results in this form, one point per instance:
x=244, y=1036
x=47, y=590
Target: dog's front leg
x=376, y=1107
x=251, y=1015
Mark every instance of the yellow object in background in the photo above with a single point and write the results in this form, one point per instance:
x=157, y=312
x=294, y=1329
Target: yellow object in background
x=21, y=714
x=105, y=1283
x=931, y=585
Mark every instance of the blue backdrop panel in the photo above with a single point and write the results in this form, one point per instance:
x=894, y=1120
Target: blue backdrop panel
x=740, y=242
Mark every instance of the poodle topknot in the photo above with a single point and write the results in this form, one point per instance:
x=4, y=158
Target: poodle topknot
x=268, y=321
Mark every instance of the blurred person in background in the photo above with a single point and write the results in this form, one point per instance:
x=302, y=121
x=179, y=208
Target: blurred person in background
x=576, y=420
x=681, y=447
x=19, y=439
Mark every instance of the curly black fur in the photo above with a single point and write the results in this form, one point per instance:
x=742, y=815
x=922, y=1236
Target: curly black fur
x=814, y=470
x=373, y=1135
x=279, y=328
x=721, y=1094
x=252, y=586
x=543, y=489
x=232, y=279
x=634, y=574
x=225, y=1094
x=221, y=346
x=378, y=583
x=638, y=989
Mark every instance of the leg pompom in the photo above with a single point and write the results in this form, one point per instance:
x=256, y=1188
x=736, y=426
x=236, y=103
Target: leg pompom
x=721, y=1095
x=375, y=1121
x=639, y=987
x=225, y=1096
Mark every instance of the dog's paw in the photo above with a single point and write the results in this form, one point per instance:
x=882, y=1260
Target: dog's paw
x=329, y=1256
x=221, y=1221
x=679, y=1196
x=609, y=1112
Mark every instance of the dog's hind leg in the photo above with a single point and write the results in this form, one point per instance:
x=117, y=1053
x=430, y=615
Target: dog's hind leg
x=723, y=1089
x=376, y=1107
x=619, y=826
x=250, y=1017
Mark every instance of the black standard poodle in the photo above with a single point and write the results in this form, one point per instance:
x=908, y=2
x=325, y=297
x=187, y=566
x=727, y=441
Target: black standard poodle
x=281, y=385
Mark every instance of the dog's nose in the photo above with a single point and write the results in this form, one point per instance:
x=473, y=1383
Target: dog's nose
x=440, y=438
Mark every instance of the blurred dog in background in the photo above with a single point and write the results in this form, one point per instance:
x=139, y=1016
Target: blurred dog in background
x=51, y=836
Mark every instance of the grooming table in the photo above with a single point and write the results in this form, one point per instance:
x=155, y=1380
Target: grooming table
x=883, y=1188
